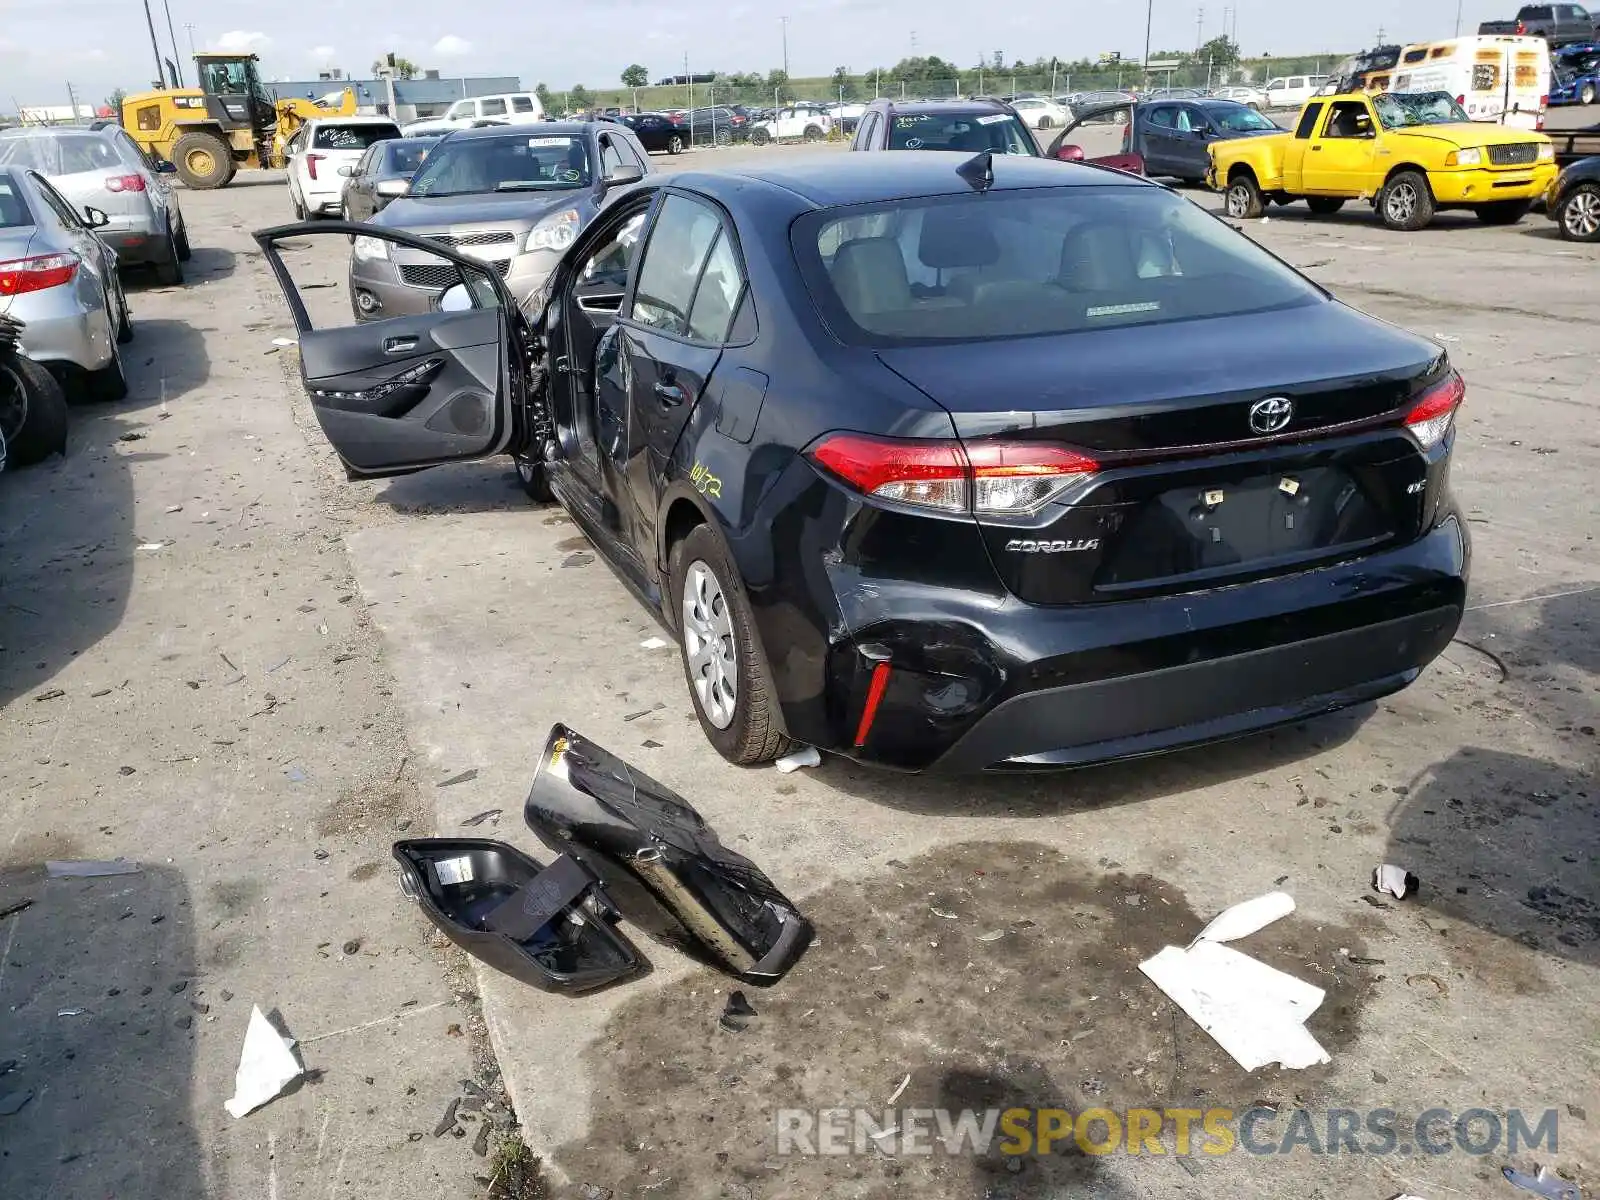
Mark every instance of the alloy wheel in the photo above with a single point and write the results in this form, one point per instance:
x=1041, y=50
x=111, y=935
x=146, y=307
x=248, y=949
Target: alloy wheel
x=1582, y=217
x=1401, y=204
x=708, y=644
x=1238, y=201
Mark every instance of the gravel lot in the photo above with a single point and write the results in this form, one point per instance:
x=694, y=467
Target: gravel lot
x=255, y=708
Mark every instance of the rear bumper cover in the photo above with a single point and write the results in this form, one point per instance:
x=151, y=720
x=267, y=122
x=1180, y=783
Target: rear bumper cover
x=1020, y=687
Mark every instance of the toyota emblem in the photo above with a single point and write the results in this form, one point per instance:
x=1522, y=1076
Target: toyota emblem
x=1271, y=415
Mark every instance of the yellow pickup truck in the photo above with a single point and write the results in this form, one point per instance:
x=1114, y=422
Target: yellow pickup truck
x=1407, y=155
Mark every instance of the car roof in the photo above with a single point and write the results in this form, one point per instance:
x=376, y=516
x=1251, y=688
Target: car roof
x=915, y=107
x=358, y=120
x=52, y=131
x=1217, y=102
x=838, y=179
x=537, y=129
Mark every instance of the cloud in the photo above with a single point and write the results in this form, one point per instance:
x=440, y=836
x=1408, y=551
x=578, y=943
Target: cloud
x=243, y=41
x=451, y=46
x=324, y=53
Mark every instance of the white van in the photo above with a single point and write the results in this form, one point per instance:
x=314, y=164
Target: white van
x=509, y=108
x=1292, y=91
x=1495, y=78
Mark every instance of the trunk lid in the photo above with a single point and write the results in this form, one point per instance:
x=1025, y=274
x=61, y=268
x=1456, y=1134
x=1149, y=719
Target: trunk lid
x=1189, y=492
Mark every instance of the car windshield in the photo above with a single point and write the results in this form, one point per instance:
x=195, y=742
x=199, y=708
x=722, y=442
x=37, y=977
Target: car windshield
x=351, y=137
x=13, y=208
x=1400, y=110
x=463, y=165
x=970, y=132
x=1036, y=262
x=1238, y=118
x=60, y=154
x=404, y=158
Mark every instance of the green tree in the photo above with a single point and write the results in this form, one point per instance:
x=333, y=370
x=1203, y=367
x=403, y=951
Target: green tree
x=635, y=76
x=546, y=100
x=578, y=99
x=843, y=83
x=1221, y=52
x=114, y=102
x=777, y=80
x=403, y=68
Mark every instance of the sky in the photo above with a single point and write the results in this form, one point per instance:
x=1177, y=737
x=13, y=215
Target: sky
x=100, y=45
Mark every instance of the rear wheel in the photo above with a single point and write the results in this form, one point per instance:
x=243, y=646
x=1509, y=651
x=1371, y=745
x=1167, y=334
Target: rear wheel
x=124, y=317
x=1243, y=198
x=759, y=136
x=1587, y=95
x=1503, y=212
x=185, y=251
x=724, y=138
x=1044, y=123
x=44, y=429
x=732, y=692
x=814, y=133
x=169, y=270
x=533, y=480
x=204, y=161
x=674, y=144
x=1324, y=206
x=1578, y=214
x=1406, y=202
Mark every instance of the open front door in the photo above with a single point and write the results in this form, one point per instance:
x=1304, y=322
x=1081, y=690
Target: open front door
x=1094, y=130
x=395, y=394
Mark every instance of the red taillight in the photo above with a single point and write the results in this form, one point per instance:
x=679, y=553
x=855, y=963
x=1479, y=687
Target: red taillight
x=1522, y=27
x=1462, y=100
x=311, y=163
x=1430, y=416
x=23, y=275
x=1001, y=478
x=125, y=183
x=869, y=711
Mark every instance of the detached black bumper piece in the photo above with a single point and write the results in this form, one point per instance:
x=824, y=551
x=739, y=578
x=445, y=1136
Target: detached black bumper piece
x=661, y=863
x=549, y=927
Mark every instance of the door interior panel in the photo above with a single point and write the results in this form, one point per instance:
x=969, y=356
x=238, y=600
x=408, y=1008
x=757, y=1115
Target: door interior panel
x=400, y=393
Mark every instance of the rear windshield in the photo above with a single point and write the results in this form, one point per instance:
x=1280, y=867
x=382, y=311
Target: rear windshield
x=460, y=166
x=61, y=154
x=351, y=137
x=13, y=208
x=1043, y=261
x=969, y=132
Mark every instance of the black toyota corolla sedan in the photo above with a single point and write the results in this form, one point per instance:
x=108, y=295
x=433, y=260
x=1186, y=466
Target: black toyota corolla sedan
x=941, y=463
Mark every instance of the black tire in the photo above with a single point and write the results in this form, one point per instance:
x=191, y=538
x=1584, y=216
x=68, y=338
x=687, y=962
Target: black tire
x=1406, y=202
x=1324, y=206
x=204, y=161
x=1044, y=123
x=675, y=144
x=1587, y=95
x=759, y=136
x=124, y=317
x=752, y=735
x=185, y=251
x=723, y=138
x=299, y=208
x=1578, y=214
x=1193, y=181
x=169, y=270
x=44, y=430
x=814, y=133
x=533, y=479
x=1243, y=201
x=108, y=383
x=1503, y=212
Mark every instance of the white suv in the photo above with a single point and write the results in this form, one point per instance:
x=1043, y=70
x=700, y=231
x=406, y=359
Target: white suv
x=510, y=108
x=316, y=152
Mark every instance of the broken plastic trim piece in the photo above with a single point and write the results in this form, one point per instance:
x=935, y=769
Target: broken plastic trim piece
x=549, y=927
x=661, y=863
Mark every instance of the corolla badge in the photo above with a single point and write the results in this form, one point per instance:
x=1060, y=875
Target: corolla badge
x=1271, y=415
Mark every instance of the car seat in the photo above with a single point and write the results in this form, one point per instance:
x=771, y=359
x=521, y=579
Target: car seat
x=869, y=275
x=1097, y=258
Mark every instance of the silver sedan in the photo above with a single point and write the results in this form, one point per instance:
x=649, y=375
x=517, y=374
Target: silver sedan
x=60, y=280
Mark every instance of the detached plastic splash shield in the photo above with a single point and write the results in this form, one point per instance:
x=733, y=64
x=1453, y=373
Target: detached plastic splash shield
x=661, y=863
x=549, y=927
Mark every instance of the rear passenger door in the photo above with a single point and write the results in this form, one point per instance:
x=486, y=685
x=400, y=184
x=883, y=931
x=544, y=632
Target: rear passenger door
x=1157, y=129
x=688, y=292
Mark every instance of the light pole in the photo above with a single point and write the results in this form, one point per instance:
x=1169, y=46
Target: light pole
x=1149, y=14
x=155, y=46
x=190, y=28
x=1458, y=18
x=177, y=64
x=784, y=21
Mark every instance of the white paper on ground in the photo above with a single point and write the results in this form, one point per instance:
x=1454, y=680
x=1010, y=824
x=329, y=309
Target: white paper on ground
x=809, y=757
x=1255, y=1012
x=1246, y=917
x=266, y=1066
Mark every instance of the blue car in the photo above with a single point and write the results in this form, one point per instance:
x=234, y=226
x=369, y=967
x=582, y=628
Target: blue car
x=1575, y=75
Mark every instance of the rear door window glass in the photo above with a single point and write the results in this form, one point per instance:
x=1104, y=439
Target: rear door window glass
x=14, y=212
x=494, y=108
x=1308, y=121
x=718, y=294
x=521, y=104
x=677, y=250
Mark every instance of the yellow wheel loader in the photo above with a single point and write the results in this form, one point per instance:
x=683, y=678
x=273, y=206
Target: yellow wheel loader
x=230, y=121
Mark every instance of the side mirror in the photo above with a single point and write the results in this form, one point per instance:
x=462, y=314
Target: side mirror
x=1070, y=153
x=166, y=167
x=347, y=170
x=620, y=175
x=96, y=218
x=394, y=187
x=455, y=298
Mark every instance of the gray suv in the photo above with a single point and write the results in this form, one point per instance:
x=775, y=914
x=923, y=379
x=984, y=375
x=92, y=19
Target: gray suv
x=513, y=196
